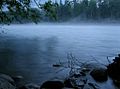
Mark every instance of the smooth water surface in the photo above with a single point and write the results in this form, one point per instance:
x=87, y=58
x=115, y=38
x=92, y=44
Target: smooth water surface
x=30, y=50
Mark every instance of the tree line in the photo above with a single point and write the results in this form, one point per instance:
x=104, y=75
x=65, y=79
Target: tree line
x=88, y=9
x=22, y=11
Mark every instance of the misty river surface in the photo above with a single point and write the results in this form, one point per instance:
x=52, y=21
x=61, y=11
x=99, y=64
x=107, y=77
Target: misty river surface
x=30, y=50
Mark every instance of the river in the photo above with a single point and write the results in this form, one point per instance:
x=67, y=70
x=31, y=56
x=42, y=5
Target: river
x=31, y=50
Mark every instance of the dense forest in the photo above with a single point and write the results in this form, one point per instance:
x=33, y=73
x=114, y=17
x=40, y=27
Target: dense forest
x=21, y=11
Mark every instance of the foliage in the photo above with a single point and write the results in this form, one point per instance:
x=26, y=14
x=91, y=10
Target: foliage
x=21, y=10
x=10, y=9
x=88, y=9
x=49, y=9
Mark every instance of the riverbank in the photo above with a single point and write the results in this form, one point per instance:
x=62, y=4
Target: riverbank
x=89, y=76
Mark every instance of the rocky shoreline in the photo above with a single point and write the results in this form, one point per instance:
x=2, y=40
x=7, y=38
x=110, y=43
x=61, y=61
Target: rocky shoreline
x=79, y=78
x=75, y=81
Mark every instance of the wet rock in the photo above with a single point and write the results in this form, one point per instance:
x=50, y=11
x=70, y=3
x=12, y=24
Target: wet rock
x=79, y=83
x=7, y=78
x=52, y=85
x=94, y=86
x=116, y=83
x=56, y=65
x=30, y=86
x=87, y=87
x=4, y=84
x=18, y=81
x=76, y=75
x=82, y=73
x=114, y=68
x=99, y=74
x=17, y=78
x=90, y=86
x=85, y=70
x=68, y=83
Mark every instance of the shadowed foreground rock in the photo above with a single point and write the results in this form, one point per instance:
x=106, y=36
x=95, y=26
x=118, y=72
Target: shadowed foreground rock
x=114, y=69
x=68, y=83
x=52, y=85
x=99, y=74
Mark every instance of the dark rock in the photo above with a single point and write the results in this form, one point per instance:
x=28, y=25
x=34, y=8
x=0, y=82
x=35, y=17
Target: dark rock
x=52, y=85
x=18, y=81
x=17, y=78
x=118, y=55
x=76, y=75
x=114, y=69
x=117, y=59
x=68, y=83
x=86, y=87
x=4, y=84
x=91, y=86
x=82, y=73
x=79, y=83
x=94, y=86
x=30, y=86
x=56, y=65
x=7, y=78
x=23, y=87
x=99, y=74
x=117, y=83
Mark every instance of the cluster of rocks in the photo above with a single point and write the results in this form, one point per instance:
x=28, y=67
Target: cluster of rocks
x=7, y=82
x=77, y=79
x=80, y=79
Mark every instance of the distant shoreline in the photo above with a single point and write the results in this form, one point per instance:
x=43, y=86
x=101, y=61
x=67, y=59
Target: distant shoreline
x=66, y=23
x=73, y=22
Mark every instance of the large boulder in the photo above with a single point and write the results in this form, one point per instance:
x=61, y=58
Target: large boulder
x=114, y=69
x=99, y=74
x=52, y=85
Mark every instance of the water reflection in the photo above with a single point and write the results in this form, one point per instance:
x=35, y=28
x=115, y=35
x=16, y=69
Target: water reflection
x=27, y=57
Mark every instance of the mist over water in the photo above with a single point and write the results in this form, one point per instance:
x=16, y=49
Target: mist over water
x=30, y=50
